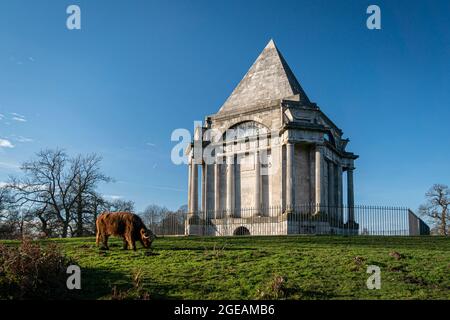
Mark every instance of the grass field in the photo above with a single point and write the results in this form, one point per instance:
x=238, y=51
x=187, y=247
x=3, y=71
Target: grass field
x=286, y=267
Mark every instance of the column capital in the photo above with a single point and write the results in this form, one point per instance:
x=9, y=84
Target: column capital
x=319, y=146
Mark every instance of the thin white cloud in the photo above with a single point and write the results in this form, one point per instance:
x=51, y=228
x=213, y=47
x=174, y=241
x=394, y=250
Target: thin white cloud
x=150, y=144
x=2, y=116
x=31, y=59
x=23, y=139
x=167, y=188
x=9, y=166
x=112, y=196
x=158, y=187
x=6, y=144
x=18, y=117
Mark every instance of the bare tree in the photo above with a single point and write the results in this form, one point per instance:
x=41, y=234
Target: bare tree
x=153, y=216
x=47, y=184
x=11, y=225
x=4, y=199
x=55, y=185
x=183, y=209
x=94, y=204
x=46, y=219
x=8, y=218
x=88, y=175
x=173, y=223
x=436, y=207
x=15, y=221
x=118, y=205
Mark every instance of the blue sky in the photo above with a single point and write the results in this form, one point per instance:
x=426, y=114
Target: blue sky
x=137, y=70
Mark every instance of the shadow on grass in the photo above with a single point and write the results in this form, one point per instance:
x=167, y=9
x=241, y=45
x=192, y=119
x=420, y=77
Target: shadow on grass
x=101, y=283
x=207, y=248
x=98, y=283
x=301, y=294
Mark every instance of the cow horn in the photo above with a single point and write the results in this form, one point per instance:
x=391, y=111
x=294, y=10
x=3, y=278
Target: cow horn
x=145, y=236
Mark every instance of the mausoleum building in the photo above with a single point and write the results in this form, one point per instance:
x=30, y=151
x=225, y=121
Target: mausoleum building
x=269, y=154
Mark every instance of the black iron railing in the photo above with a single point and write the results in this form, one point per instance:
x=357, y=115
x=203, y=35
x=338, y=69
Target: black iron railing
x=300, y=219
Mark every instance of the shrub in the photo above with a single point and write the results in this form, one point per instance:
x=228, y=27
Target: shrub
x=135, y=293
x=275, y=289
x=29, y=271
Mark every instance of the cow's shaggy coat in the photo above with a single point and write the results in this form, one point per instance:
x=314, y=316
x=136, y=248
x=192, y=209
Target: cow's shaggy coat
x=127, y=225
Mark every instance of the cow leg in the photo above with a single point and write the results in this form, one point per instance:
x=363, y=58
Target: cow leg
x=125, y=244
x=129, y=241
x=133, y=245
x=97, y=238
x=105, y=241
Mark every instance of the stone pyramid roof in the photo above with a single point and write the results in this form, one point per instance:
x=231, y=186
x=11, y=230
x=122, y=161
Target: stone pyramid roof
x=269, y=78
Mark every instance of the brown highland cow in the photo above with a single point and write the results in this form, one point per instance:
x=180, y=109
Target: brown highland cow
x=127, y=225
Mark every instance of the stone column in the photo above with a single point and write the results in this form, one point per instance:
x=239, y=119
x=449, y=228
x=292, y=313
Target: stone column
x=190, y=186
x=339, y=185
x=204, y=189
x=194, y=189
x=257, y=184
x=350, y=195
x=230, y=186
x=339, y=191
x=318, y=177
x=217, y=190
x=289, y=176
x=331, y=186
x=332, y=192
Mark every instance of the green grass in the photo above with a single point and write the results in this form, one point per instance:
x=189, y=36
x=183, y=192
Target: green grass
x=312, y=267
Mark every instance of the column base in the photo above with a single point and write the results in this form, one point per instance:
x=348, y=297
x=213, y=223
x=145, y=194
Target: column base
x=317, y=209
x=351, y=227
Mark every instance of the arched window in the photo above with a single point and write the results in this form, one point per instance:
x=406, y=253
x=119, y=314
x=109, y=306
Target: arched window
x=247, y=129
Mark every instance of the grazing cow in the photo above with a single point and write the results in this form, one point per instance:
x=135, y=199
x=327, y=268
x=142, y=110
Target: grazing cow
x=127, y=225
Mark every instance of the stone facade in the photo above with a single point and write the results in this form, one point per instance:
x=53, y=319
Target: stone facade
x=269, y=147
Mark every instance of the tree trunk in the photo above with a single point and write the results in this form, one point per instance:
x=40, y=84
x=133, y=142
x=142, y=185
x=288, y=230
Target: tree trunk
x=79, y=229
x=44, y=226
x=443, y=229
x=65, y=229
